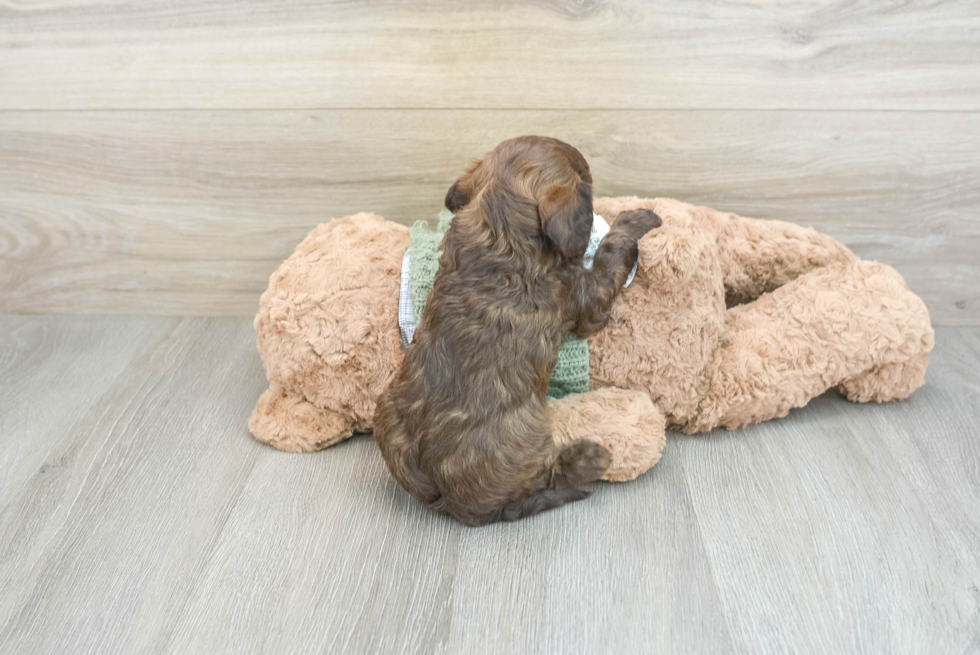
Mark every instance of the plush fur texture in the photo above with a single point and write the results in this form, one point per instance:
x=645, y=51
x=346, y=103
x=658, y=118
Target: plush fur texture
x=729, y=321
x=327, y=332
x=741, y=320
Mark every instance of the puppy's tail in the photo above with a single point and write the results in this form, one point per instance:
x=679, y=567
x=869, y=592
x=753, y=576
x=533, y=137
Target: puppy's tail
x=579, y=463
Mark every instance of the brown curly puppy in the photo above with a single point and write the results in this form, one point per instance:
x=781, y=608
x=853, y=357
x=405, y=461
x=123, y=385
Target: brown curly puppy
x=464, y=425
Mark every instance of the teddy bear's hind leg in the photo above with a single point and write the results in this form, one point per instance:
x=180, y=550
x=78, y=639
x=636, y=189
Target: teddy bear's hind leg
x=625, y=422
x=855, y=326
x=887, y=382
x=293, y=424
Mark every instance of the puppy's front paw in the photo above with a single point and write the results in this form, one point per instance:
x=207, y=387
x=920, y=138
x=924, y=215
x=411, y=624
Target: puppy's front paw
x=637, y=222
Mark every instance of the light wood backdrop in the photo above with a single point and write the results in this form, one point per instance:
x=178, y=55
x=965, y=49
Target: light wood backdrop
x=164, y=157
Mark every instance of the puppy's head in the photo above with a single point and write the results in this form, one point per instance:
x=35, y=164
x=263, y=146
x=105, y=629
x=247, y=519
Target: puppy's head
x=528, y=187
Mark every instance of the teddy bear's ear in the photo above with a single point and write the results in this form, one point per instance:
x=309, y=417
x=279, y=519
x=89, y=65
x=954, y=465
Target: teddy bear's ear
x=670, y=253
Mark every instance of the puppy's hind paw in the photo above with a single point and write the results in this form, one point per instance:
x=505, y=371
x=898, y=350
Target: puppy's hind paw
x=583, y=461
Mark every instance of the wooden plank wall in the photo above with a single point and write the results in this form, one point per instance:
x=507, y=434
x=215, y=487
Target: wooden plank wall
x=164, y=157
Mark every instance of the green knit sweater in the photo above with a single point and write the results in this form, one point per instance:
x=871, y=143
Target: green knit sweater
x=571, y=374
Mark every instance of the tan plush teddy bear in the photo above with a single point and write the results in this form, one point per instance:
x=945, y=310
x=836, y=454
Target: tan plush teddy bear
x=729, y=321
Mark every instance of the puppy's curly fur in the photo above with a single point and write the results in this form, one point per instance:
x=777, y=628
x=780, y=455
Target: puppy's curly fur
x=464, y=425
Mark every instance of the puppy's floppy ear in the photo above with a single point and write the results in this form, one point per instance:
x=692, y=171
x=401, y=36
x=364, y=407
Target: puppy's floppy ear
x=566, y=218
x=461, y=191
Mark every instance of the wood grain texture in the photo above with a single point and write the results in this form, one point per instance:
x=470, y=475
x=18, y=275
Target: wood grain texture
x=189, y=212
x=841, y=514
x=154, y=523
x=567, y=54
x=104, y=542
x=59, y=356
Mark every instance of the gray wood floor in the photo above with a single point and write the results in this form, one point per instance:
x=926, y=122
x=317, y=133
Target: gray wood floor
x=138, y=515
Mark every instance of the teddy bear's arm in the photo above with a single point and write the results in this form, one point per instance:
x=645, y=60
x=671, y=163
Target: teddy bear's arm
x=854, y=325
x=759, y=256
x=756, y=256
